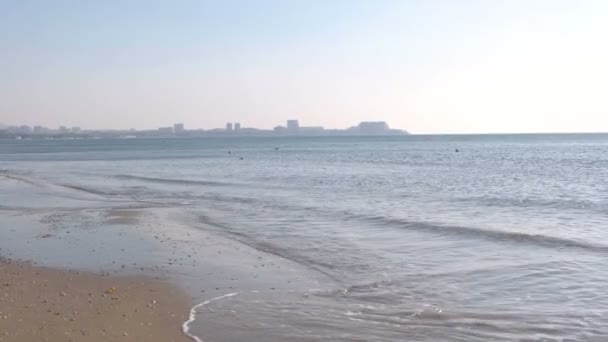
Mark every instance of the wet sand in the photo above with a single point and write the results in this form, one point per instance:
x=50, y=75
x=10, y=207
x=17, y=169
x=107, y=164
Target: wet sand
x=42, y=304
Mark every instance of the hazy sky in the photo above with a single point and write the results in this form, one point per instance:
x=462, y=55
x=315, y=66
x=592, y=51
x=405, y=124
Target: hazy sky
x=426, y=66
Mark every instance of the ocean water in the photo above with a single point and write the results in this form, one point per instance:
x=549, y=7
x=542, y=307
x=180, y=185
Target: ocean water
x=408, y=239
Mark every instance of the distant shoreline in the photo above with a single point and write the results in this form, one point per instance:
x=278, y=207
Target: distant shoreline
x=227, y=136
x=129, y=136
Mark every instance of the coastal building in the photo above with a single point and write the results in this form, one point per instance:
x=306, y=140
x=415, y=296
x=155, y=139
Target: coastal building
x=237, y=126
x=165, y=130
x=178, y=128
x=293, y=126
x=229, y=127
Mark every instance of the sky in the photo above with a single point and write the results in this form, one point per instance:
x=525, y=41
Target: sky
x=444, y=66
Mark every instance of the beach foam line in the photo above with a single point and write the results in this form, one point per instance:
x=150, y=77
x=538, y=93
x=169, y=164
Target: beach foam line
x=186, y=325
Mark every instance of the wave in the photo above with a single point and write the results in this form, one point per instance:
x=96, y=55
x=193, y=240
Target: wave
x=88, y=190
x=310, y=260
x=44, y=183
x=488, y=234
x=21, y=179
x=192, y=317
x=59, y=190
x=490, y=201
x=79, y=188
x=270, y=248
x=495, y=235
x=171, y=180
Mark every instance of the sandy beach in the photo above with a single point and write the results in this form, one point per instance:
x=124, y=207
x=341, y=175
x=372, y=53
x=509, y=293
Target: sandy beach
x=42, y=304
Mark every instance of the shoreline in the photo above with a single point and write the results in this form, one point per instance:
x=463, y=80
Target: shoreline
x=47, y=304
x=89, y=243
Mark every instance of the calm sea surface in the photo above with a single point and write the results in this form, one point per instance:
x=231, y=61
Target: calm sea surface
x=506, y=239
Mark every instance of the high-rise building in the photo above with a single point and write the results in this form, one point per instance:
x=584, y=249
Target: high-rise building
x=229, y=127
x=293, y=126
x=237, y=126
x=178, y=128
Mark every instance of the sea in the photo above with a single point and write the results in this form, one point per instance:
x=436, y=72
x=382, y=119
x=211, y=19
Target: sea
x=401, y=238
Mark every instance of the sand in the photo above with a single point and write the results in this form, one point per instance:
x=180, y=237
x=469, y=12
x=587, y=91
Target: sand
x=41, y=304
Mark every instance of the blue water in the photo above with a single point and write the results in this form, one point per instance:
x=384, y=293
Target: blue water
x=503, y=240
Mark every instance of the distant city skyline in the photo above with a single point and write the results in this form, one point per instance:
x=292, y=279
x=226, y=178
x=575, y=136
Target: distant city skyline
x=180, y=126
x=425, y=66
x=291, y=128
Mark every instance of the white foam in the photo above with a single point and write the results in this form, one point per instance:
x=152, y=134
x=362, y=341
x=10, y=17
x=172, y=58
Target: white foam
x=186, y=325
